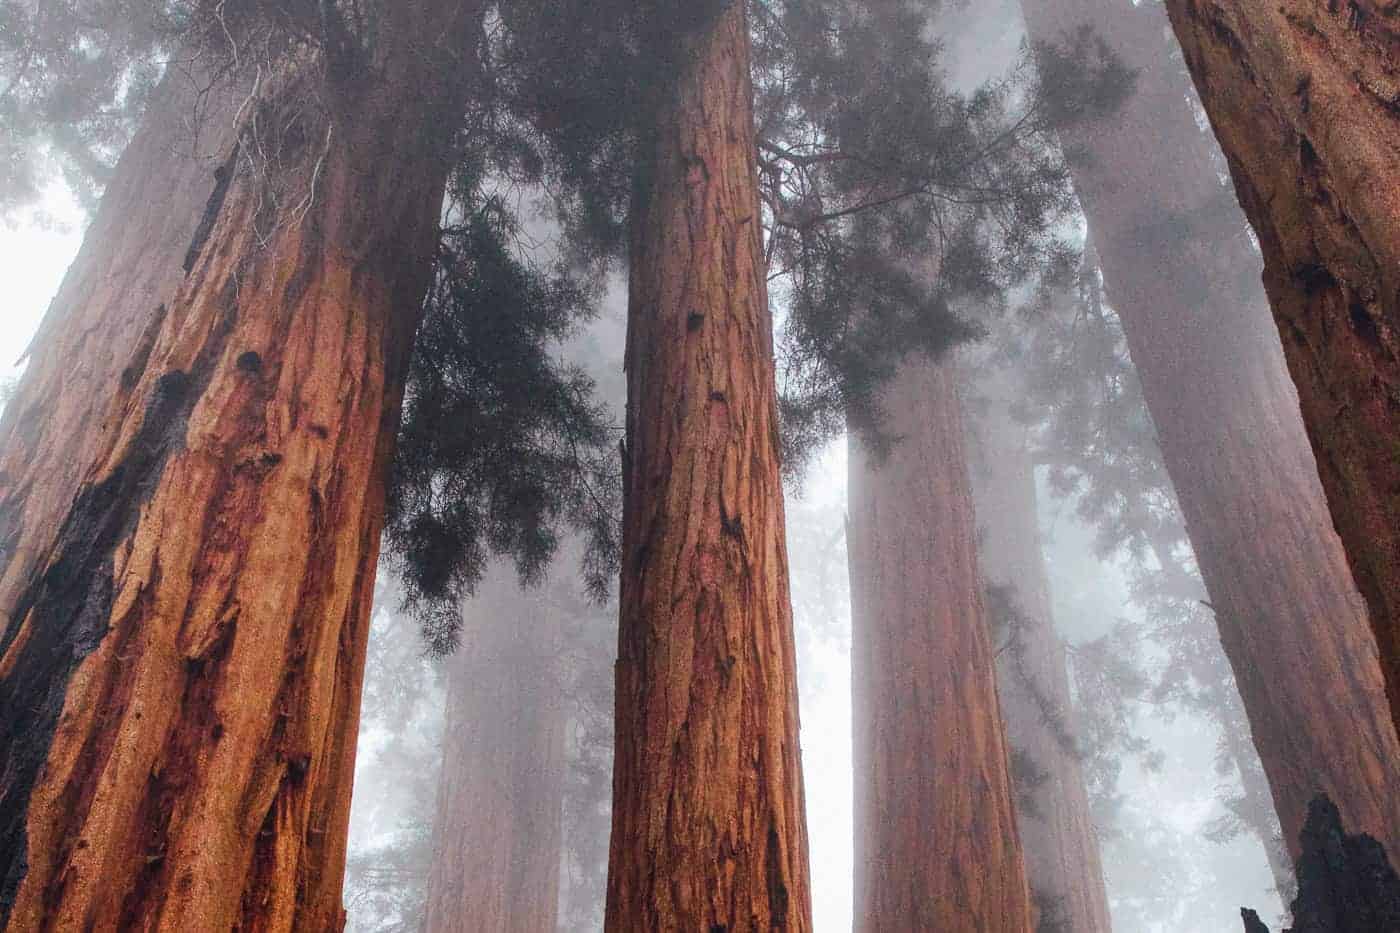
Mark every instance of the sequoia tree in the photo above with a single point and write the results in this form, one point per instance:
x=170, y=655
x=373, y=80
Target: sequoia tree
x=1057, y=830
x=708, y=824
x=1176, y=262
x=1303, y=98
x=497, y=846
x=187, y=608
x=937, y=846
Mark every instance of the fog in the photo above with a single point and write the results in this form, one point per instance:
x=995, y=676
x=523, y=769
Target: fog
x=1113, y=557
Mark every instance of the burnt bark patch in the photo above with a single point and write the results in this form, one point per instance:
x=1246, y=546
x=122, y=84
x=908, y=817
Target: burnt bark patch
x=223, y=176
x=66, y=610
x=1346, y=884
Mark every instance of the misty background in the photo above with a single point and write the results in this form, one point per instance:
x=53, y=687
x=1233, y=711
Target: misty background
x=1173, y=856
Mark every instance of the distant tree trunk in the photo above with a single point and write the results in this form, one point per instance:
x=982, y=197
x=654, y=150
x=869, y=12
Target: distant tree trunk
x=1057, y=831
x=1177, y=266
x=709, y=831
x=1304, y=99
x=180, y=678
x=937, y=846
x=498, y=835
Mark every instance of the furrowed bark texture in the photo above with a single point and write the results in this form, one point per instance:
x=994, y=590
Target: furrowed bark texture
x=180, y=681
x=1179, y=269
x=936, y=844
x=1305, y=100
x=709, y=831
x=498, y=836
x=160, y=188
x=1058, y=837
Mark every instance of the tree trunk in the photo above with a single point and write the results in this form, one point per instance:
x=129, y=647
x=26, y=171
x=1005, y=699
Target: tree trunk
x=498, y=837
x=1057, y=831
x=161, y=185
x=709, y=831
x=1305, y=100
x=1177, y=266
x=180, y=681
x=936, y=846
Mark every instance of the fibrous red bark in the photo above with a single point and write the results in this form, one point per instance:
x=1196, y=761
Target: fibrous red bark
x=1058, y=837
x=937, y=847
x=1305, y=100
x=498, y=833
x=1180, y=270
x=180, y=671
x=709, y=831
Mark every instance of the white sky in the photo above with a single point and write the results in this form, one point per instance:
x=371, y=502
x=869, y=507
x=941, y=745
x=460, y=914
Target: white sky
x=33, y=259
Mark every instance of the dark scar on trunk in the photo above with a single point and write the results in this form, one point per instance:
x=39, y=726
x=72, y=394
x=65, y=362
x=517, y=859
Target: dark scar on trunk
x=66, y=608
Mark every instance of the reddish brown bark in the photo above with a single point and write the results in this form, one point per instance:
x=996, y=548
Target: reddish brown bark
x=936, y=846
x=1057, y=832
x=709, y=831
x=160, y=188
x=180, y=679
x=1178, y=267
x=498, y=835
x=1305, y=100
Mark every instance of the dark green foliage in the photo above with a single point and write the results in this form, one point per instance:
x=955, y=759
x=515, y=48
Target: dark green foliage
x=501, y=444
x=74, y=77
x=893, y=200
x=888, y=198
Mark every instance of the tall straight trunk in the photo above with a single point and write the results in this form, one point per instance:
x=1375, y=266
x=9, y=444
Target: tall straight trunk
x=180, y=676
x=1305, y=100
x=1057, y=831
x=709, y=831
x=1177, y=266
x=936, y=844
x=498, y=835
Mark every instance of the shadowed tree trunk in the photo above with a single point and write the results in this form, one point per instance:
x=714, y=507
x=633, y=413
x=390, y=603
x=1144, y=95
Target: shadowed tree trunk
x=1179, y=268
x=1057, y=832
x=498, y=835
x=1305, y=101
x=709, y=831
x=936, y=843
x=180, y=675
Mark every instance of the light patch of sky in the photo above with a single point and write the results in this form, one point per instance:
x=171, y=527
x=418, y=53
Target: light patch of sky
x=33, y=257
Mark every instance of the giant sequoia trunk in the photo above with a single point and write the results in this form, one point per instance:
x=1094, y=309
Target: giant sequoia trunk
x=709, y=831
x=936, y=844
x=180, y=670
x=498, y=835
x=1305, y=100
x=1176, y=265
x=1057, y=831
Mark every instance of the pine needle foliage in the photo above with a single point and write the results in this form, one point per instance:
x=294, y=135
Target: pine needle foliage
x=502, y=445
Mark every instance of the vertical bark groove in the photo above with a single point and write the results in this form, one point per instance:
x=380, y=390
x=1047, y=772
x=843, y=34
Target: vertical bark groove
x=1177, y=267
x=1302, y=97
x=709, y=831
x=188, y=601
x=937, y=847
